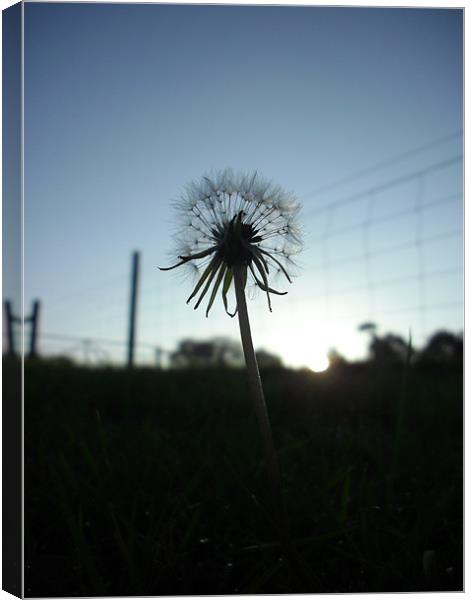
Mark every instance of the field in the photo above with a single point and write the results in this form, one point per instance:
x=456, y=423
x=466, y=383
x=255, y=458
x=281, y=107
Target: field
x=152, y=483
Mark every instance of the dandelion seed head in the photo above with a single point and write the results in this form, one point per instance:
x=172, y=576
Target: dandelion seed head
x=242, y=220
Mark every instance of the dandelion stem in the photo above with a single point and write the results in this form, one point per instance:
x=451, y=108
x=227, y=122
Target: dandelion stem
x=256, y=389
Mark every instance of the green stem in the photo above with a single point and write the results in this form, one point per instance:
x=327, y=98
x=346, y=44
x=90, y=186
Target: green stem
x=256, y=389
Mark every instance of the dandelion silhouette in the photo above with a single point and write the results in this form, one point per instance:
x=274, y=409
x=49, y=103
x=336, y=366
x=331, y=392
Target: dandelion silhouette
x=236, y=221
x=235, y=227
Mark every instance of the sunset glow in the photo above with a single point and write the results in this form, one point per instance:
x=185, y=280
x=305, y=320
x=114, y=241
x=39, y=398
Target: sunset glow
x=319, y=363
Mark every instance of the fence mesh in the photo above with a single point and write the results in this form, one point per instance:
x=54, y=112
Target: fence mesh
x=388, y=250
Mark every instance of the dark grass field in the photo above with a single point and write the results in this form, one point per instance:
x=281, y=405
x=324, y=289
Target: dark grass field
x=152, y=483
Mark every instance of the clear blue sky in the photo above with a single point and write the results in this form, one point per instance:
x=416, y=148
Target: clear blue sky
x=124, y=104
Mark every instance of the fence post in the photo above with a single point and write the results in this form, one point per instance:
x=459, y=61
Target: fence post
x=34, y=329
x=133, y=307
x=158, y=357
x=9, y=323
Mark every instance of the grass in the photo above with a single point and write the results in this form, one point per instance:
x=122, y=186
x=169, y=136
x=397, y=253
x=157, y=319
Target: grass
x=151, y=482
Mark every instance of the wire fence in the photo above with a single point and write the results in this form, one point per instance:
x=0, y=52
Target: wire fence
x=384, y=244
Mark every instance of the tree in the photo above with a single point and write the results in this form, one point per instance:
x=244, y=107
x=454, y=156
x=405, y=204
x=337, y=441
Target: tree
x=443, y=348
x=368, y=327
x=267, y=360
x=335, y=359
x=218, y=351
x=389, y=349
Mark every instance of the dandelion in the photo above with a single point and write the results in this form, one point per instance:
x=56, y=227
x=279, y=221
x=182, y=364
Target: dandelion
x=236, y=227
x=236, y=223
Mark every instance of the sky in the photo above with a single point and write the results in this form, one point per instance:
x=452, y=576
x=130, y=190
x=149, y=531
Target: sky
x=356, y=111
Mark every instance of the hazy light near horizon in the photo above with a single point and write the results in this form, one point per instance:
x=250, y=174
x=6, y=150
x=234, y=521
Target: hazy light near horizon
x=304, y=347
x=319, y=362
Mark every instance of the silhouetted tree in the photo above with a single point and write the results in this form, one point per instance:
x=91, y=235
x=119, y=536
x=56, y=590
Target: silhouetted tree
x=389, y=349
x=335, y=359
x=266, y=359
x=215, y=352
x=368, y=327
x=442, y=348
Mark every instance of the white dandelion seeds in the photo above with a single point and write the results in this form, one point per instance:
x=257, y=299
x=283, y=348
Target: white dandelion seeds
x=236, y=220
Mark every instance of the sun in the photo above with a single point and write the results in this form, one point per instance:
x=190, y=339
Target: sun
x=304, y=349
x=319, y=362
